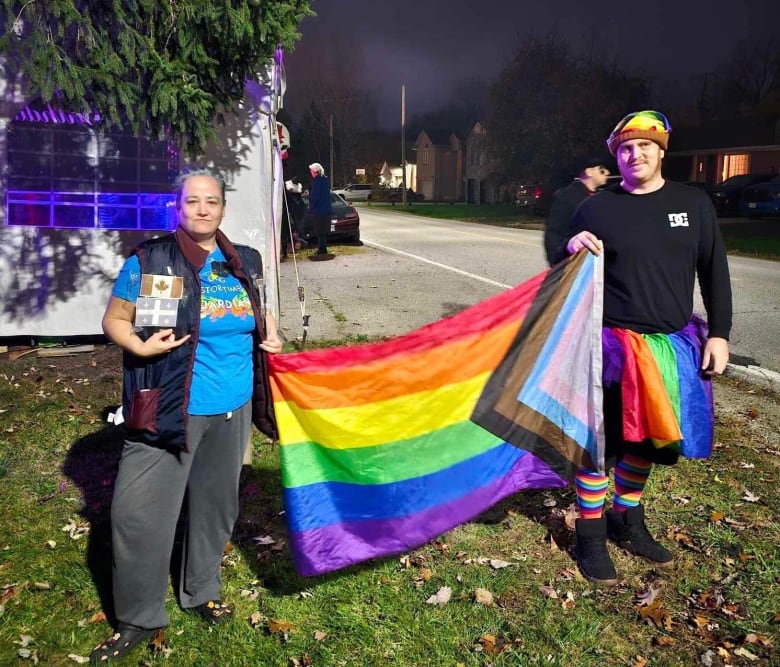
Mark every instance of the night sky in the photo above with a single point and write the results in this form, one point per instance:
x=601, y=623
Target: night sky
x=431, y=45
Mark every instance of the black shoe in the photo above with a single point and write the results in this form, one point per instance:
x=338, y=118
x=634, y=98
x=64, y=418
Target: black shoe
x=592, y=555
x=118, y=645
x=628, y=530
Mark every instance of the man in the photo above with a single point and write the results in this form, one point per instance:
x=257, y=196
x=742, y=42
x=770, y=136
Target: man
x=657, y=237
x=319, y=206
x=591, y=175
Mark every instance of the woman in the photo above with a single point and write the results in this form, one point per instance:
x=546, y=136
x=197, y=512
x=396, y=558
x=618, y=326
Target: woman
x=187, y=314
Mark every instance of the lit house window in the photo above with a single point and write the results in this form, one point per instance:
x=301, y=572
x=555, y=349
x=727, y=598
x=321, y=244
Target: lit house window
x=63, y=171
x=734, y=165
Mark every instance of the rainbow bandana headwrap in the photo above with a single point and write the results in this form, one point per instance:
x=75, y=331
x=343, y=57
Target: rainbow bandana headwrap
x=647, y=124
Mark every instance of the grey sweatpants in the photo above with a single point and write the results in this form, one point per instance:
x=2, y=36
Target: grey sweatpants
x=147, y=502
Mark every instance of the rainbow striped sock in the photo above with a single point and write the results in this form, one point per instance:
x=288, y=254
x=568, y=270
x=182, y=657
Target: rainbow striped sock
x=591, y=490
x=630, y=479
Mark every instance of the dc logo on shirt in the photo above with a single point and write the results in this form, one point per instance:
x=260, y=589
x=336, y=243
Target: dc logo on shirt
x=678, y=219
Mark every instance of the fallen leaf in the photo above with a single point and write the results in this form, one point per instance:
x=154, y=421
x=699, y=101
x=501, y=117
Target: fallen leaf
x=664, y=640
x=548, y=592
x=752, y=638
x=51, y=544
x=655, y=613
x=568, y=601
x=264, y=539
x=256, y=619
x=570, y=515
x=483, y=596
x=42, y=586
x=425, y=574
x=707, y=658
x=750, y=497
x=158, y=642
x=276, y=625
x=488, y=643
x=639, y=661
x=80, y=659
x=319, y=635
x=715, y=517
x=99, y=617
x=648, y=596
x=744, y=653
x=442, y=596
x=497, y=564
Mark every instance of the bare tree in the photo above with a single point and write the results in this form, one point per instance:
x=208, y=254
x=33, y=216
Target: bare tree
x=751, y=77
x=330, y=103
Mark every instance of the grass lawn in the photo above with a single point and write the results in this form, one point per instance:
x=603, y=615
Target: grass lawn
x=517, y=599
x=754, y=238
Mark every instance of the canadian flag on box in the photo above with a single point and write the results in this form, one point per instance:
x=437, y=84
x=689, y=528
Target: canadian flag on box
x=158, y=301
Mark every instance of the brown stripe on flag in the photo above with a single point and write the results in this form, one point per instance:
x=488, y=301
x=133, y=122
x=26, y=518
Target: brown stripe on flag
x=498, y=409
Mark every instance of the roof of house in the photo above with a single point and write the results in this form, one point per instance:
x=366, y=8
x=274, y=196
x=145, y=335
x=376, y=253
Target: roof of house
x=438, y=137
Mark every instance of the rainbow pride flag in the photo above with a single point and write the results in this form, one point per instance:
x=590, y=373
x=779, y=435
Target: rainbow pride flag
x=386, y=446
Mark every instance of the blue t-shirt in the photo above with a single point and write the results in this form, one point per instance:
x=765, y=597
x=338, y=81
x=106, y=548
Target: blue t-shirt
x=222, y=374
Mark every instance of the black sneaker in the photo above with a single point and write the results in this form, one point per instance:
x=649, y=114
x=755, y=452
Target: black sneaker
x=628, y=530
x=591, y=550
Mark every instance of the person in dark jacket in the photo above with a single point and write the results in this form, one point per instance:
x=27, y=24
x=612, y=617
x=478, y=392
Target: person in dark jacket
x=320, y=208
x=188, y=315
x=591, y=175
x=657, y=238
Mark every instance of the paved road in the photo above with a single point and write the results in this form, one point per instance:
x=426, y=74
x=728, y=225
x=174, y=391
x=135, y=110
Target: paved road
x=412, y=271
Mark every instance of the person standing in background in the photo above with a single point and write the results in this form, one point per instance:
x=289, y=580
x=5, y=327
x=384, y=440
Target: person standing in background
x=591, y=175
x=320, y=208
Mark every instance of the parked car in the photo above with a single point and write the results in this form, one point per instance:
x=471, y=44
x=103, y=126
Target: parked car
x=761, y=199
x=527, y=196
x=355, y=192
x=396, y=195
x=536, y=197
x=344, y=221
x=725, y=196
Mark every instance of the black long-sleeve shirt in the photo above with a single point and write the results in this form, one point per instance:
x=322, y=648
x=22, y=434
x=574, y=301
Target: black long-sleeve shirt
x=655, y=245
x=565, y=202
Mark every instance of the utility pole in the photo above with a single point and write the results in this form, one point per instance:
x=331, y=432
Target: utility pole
x=403, y=145
x=330, y=137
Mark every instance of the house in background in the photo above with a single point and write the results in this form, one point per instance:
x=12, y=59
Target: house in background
x=392, y=177
x=482, y=185
x=717, y=150
x=439, y=166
